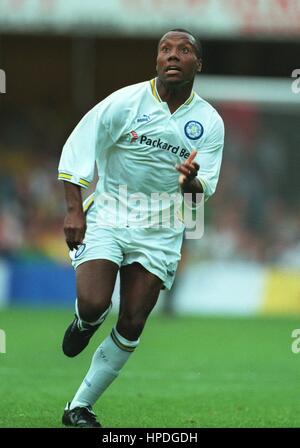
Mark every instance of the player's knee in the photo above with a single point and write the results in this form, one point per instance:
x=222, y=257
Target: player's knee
x=91, y=310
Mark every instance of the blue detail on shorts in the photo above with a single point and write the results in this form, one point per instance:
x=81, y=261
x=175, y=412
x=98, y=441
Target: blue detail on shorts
x=193, y=130
x=80, y=250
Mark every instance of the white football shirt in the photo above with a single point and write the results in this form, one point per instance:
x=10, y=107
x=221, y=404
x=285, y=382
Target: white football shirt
x=136, y=142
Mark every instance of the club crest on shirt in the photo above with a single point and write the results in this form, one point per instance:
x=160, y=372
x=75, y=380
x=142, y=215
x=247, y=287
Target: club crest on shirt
x=80, y=250
x=193, y=130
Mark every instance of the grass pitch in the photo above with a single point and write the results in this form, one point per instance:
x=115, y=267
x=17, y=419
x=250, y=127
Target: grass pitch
x=188, y=372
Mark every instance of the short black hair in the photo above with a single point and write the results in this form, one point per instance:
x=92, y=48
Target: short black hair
x=198, y=44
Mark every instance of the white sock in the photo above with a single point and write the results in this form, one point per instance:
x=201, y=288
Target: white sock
x=106, y=364
x=82, y=323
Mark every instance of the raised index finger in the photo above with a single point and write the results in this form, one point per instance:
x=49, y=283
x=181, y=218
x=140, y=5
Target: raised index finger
x=192, y=156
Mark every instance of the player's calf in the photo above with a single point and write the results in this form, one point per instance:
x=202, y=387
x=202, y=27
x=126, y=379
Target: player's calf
x=131, y=326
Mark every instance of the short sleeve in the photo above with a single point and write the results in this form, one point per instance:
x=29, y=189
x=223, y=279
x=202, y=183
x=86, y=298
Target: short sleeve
x=97, y=131
x=209, y=156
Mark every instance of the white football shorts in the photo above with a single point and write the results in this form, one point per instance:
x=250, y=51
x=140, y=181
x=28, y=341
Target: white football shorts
x=157, y=250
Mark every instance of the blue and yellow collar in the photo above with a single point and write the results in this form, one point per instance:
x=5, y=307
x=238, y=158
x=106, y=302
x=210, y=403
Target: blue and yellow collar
x=156, y=95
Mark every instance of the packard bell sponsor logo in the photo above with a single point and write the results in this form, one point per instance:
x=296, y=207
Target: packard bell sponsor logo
x=158, y=143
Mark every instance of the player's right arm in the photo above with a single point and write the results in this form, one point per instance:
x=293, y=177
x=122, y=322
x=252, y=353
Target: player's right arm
x=76, y=170
x=97, y=131
x=75, y=221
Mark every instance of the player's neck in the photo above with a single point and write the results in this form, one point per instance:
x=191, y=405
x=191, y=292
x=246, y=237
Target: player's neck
x=174, y=95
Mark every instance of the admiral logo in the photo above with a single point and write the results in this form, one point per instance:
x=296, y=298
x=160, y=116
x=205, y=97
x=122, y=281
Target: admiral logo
x=158, y=143
x=144, y=118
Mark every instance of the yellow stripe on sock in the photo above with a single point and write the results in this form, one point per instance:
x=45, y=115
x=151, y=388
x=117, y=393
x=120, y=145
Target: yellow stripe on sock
x=126, y=348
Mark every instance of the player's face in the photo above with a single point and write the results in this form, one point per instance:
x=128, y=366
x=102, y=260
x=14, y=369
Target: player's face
x=177, y=61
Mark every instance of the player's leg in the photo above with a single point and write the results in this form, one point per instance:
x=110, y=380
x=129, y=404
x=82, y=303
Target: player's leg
x=96, y=263
x=95, y=281
x=139, y=294
x=139, y=291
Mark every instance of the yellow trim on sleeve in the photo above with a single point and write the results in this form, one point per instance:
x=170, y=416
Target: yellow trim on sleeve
x=88, y=205
x=203, y=183
x=84, y=182
x=64, y=176
x=72, y=178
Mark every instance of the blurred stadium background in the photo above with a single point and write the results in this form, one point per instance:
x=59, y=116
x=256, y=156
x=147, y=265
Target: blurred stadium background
x=62, y=57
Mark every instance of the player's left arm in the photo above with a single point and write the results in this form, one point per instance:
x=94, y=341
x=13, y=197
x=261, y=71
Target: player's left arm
x=188, y=181
x=202, y=169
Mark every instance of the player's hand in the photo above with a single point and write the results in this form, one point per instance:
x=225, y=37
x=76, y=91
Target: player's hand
x=188, y=169
x=74, y=228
